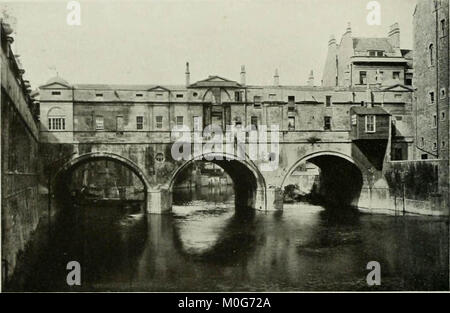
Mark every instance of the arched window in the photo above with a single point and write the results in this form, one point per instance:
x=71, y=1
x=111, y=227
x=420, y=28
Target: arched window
x=56, y=119
x=431, y=54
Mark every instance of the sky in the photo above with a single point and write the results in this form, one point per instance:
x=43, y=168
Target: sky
x=149, y=42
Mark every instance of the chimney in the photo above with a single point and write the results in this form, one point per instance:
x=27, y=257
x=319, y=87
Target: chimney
x=311, y=79
x=188, y=75
x=276, y=78
x=243, y=75
x=394, y=35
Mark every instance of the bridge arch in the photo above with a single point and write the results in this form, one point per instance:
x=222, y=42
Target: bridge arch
x=79, y=160
x=341, y=177
x=249, y=183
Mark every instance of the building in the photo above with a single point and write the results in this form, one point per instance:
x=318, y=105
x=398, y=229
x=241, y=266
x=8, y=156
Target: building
x=77, y=112
x=431, y=45
x=358, y=61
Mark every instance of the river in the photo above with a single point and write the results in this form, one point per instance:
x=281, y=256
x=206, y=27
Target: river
x=206, y=244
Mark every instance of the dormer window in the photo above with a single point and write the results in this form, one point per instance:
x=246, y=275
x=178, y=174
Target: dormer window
x=376, y=53
x=99, y=95
x=56, y=93
x=139, y=95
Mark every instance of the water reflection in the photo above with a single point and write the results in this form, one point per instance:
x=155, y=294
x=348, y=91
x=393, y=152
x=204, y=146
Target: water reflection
x=205, y=244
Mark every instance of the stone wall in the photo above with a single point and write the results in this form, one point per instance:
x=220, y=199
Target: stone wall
x=418, y=187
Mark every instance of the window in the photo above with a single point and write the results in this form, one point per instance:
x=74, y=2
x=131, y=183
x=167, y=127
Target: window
x=291, y=100
x=119, y=124
x=372, y=53
x=422, y=142
x=99, y=123
x=257, y=101
x=197, y=123
x=328, y=101
x=56, y=119
x=398, y=96
x=434, y=120
x=139, y=95
x=370, y=123
x=327, y=123
x=272, y=96
x=362, y=78
x=430, y=54
x=431, y=94
x=443, y=116
x=424, y=156
x=159, y=122
x=238, y=96
x=179, y=95
x=354, y=119
x=139, y=122
x=56, y=93
x=380, y=53
x=56, y=123
x=195, y=94
x=443, y=27
x=398, y=154
x=159, y=95
x=179, y=121
x=434, y=146
x=291, y=123
x=443, y=93
x=396, y=75
x=98, y=95
x=254, y=122
x=442, y=144
x=379, y=76
x=159, y=157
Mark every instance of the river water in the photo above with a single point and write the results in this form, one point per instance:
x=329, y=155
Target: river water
x=205, y=244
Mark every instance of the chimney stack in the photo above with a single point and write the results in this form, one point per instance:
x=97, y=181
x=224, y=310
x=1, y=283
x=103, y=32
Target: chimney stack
x=394, y=35
x=243, y=75
x=276, y=78
x=311, y=79
x=188, y=75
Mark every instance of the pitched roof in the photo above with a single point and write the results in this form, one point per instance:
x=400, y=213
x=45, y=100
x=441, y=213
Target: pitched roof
x=365, y=44
x=216, y=81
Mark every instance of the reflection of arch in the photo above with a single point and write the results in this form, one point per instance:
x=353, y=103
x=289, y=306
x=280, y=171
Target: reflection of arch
x=249, y=184
x=71, y=165
x=341, y=178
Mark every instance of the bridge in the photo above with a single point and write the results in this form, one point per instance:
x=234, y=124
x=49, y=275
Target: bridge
x=345, y=132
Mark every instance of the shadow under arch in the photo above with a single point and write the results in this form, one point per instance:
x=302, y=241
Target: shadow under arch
x=248, y=182
x=341, y=177
x=59, y=180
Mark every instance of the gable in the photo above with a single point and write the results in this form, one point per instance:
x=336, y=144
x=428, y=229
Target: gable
x=55, y=86
x=398, y=87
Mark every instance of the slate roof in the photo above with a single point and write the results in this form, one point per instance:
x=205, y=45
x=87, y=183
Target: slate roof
x=365, y=44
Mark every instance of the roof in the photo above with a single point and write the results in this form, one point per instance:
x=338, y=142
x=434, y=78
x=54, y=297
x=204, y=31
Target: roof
x=57, y=80
x=216, y=81
x=369, y=110
x=366, y=44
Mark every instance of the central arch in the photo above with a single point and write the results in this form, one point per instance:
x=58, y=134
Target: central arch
x=341, y=178
x=248, y=182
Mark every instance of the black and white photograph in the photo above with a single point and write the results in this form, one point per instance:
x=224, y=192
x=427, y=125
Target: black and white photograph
x=213, y=146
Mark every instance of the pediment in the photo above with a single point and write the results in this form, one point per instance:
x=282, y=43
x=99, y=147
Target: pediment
x=55, y=86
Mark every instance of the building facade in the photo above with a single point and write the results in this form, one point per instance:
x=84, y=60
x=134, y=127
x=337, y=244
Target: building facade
x=358, y=61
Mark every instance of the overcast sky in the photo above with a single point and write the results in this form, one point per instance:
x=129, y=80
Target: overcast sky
x=147, y=42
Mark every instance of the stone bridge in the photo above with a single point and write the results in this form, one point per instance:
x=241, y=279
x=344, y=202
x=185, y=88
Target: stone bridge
x=347, y=175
